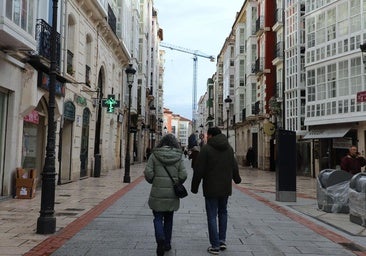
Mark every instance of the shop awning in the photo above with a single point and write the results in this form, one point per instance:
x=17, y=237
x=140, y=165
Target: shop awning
x=336, y=132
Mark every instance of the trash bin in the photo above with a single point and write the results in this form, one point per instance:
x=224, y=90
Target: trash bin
x=357, y=199
x=332, y=190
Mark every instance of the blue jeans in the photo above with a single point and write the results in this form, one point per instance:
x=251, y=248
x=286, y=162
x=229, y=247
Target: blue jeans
x=163, y=225
x=216, y=209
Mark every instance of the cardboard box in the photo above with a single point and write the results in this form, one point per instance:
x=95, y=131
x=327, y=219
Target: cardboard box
x=25, y=183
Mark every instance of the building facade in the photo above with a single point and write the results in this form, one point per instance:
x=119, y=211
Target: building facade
x=96, y=40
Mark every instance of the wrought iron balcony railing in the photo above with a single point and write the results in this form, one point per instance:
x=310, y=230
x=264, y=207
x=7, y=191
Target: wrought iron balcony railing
x=43, y=38
x=258, y=67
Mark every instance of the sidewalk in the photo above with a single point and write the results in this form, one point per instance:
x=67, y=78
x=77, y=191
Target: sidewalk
x=112, y=217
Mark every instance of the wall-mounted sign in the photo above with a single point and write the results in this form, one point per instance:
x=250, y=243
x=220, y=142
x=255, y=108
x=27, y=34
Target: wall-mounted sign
x=81, y=101
x=361, y=96
x=32, y=117
x=44, y=83
x=69, y=111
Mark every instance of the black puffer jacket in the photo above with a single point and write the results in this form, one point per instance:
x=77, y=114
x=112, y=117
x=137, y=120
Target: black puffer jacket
x=217, y=167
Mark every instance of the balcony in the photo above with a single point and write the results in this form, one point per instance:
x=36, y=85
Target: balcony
x=41, y=58
x=258, y=67
x=278, y=53
x=278, y=19
x=279, y=92
x=259, y=25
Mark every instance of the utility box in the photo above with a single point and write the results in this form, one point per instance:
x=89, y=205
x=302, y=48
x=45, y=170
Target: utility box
x=25, y=183
x=285, y=166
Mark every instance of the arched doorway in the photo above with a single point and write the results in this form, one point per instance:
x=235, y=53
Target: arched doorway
x=98, y=126
x=84, y=143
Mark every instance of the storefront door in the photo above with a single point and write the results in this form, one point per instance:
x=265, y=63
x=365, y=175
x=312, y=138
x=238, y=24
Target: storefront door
x=84, y=143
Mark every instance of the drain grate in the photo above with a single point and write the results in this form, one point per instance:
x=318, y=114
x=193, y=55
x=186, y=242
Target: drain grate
x=353, y=247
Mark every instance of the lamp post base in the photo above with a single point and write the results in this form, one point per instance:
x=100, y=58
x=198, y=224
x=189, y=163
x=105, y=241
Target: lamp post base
x=46, y=225
x=126, y=179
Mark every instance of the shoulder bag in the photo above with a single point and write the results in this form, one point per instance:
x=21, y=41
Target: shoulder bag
x=179, y=189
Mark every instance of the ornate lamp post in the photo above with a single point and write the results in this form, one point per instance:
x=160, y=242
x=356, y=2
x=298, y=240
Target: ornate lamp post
x=46, y=223
x=228, y=100
x=130, y=72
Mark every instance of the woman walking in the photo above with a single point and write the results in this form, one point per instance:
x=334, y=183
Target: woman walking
x=167, y=156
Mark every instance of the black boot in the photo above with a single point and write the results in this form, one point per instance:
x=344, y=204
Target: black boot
x=160, y=248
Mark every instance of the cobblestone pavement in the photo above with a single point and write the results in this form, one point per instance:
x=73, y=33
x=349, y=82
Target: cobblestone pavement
x=103, y=216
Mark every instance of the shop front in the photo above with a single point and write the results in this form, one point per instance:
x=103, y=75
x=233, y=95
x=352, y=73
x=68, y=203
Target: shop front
x=329, y=145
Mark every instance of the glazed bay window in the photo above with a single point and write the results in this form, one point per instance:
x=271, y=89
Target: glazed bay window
x=21, y=12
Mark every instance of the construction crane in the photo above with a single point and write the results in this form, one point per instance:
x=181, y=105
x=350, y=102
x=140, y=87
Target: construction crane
x=195, y=54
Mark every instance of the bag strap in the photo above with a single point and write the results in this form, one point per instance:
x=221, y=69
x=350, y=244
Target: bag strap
x=170, y=176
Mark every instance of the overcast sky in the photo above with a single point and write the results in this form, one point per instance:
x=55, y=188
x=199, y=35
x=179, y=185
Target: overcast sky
x=201, y=25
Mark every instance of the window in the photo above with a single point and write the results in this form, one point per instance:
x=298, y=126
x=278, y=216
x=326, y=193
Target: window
x=355, y=75
x=321, y=28
x=311, y=85
x=321, y=89
x=311, y=32
x=331, y=80
x=21, y=13
x=343, y=78
x=331, y=29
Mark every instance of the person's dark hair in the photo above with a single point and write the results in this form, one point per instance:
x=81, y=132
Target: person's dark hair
x=169, y=140
x=214, y=131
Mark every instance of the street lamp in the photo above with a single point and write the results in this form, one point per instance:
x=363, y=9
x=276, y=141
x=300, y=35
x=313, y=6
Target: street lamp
x=228, y=100
x=46, y=223
x=130, y=72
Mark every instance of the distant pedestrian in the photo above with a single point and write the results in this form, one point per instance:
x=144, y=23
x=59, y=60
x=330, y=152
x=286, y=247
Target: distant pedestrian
x=353, y=161
x=193, y=155
x=185, y=153
x=192, y=141
x=162, y=199
x=216, y=166
x=148, y=153
x=250, y=157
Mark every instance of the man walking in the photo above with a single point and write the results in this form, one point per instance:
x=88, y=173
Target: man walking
x=217, y=167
